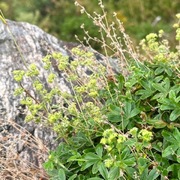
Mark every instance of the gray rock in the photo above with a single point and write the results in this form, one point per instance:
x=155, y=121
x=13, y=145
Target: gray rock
x=33, y=44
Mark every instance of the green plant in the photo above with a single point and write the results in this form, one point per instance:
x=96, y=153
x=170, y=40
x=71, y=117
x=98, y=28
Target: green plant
x=112, y=128
x=147, y=112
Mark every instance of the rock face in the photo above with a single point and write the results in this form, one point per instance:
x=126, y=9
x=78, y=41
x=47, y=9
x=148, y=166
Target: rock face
x=22, y=44
x=33, y=44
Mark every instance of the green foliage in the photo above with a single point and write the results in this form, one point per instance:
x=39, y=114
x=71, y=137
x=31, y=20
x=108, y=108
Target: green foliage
x=119, y=128
x=147, y=112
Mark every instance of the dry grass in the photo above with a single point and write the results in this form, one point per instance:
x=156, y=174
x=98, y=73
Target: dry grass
x=17, y=165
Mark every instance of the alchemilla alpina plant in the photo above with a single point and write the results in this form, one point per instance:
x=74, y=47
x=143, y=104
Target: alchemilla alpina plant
x=113, y=127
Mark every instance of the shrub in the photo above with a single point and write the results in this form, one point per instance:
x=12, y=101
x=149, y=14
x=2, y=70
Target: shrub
x=112, y=127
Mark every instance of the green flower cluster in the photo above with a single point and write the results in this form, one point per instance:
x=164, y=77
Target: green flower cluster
x=115, y=143
x=145, y=135
x=157, y=47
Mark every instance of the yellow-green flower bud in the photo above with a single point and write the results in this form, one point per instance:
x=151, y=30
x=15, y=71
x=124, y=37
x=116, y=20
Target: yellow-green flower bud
x=108, y=163
x=109, y=148
x=121, y=139
x=74, y=64
x=103, y=141
x=18, y=75
x=133, y=131
x=93, y=94
x=145, y=135
x=51, y=78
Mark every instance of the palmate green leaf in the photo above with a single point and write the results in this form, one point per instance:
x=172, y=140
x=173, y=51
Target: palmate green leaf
x=173, y=139
x=146, y=84
x=103, y=171
x=159, y=70
x=166, y=104
x=144, y=93
x=169, y=71
x=126, y=153
x=127, y=158
x=129, y=161
x=144, y=175
x=168, y=136
x=76, y=157
x=158, y=78
x=166, y=83
x=157, y=146
x=130, y=110
x=175, y=114
x=99, y=150
x=159, y=87
x=157, y=123
x=114, y=173
x=86, y=165
x=177, y=99
x=72, y=177
x=142, y=161
x=176, y=134
x=115, y=114
x=153, y=174
x=159, y=96
x=174, y=168
x=61, y=174
x=80, y=139
x=134, y=112
x=131, y=171
x=172, y=95
x=112, y=117
x=130, y=142
x=170, y=150
x=90, y=159
x=163, y=87
x=95, y=167
x=124, y=123
x=176, y=88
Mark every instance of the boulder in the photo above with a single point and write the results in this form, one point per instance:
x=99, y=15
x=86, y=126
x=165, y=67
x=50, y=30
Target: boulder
x=20, y=45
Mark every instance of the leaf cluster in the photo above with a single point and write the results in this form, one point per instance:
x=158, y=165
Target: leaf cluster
x=120, y=128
